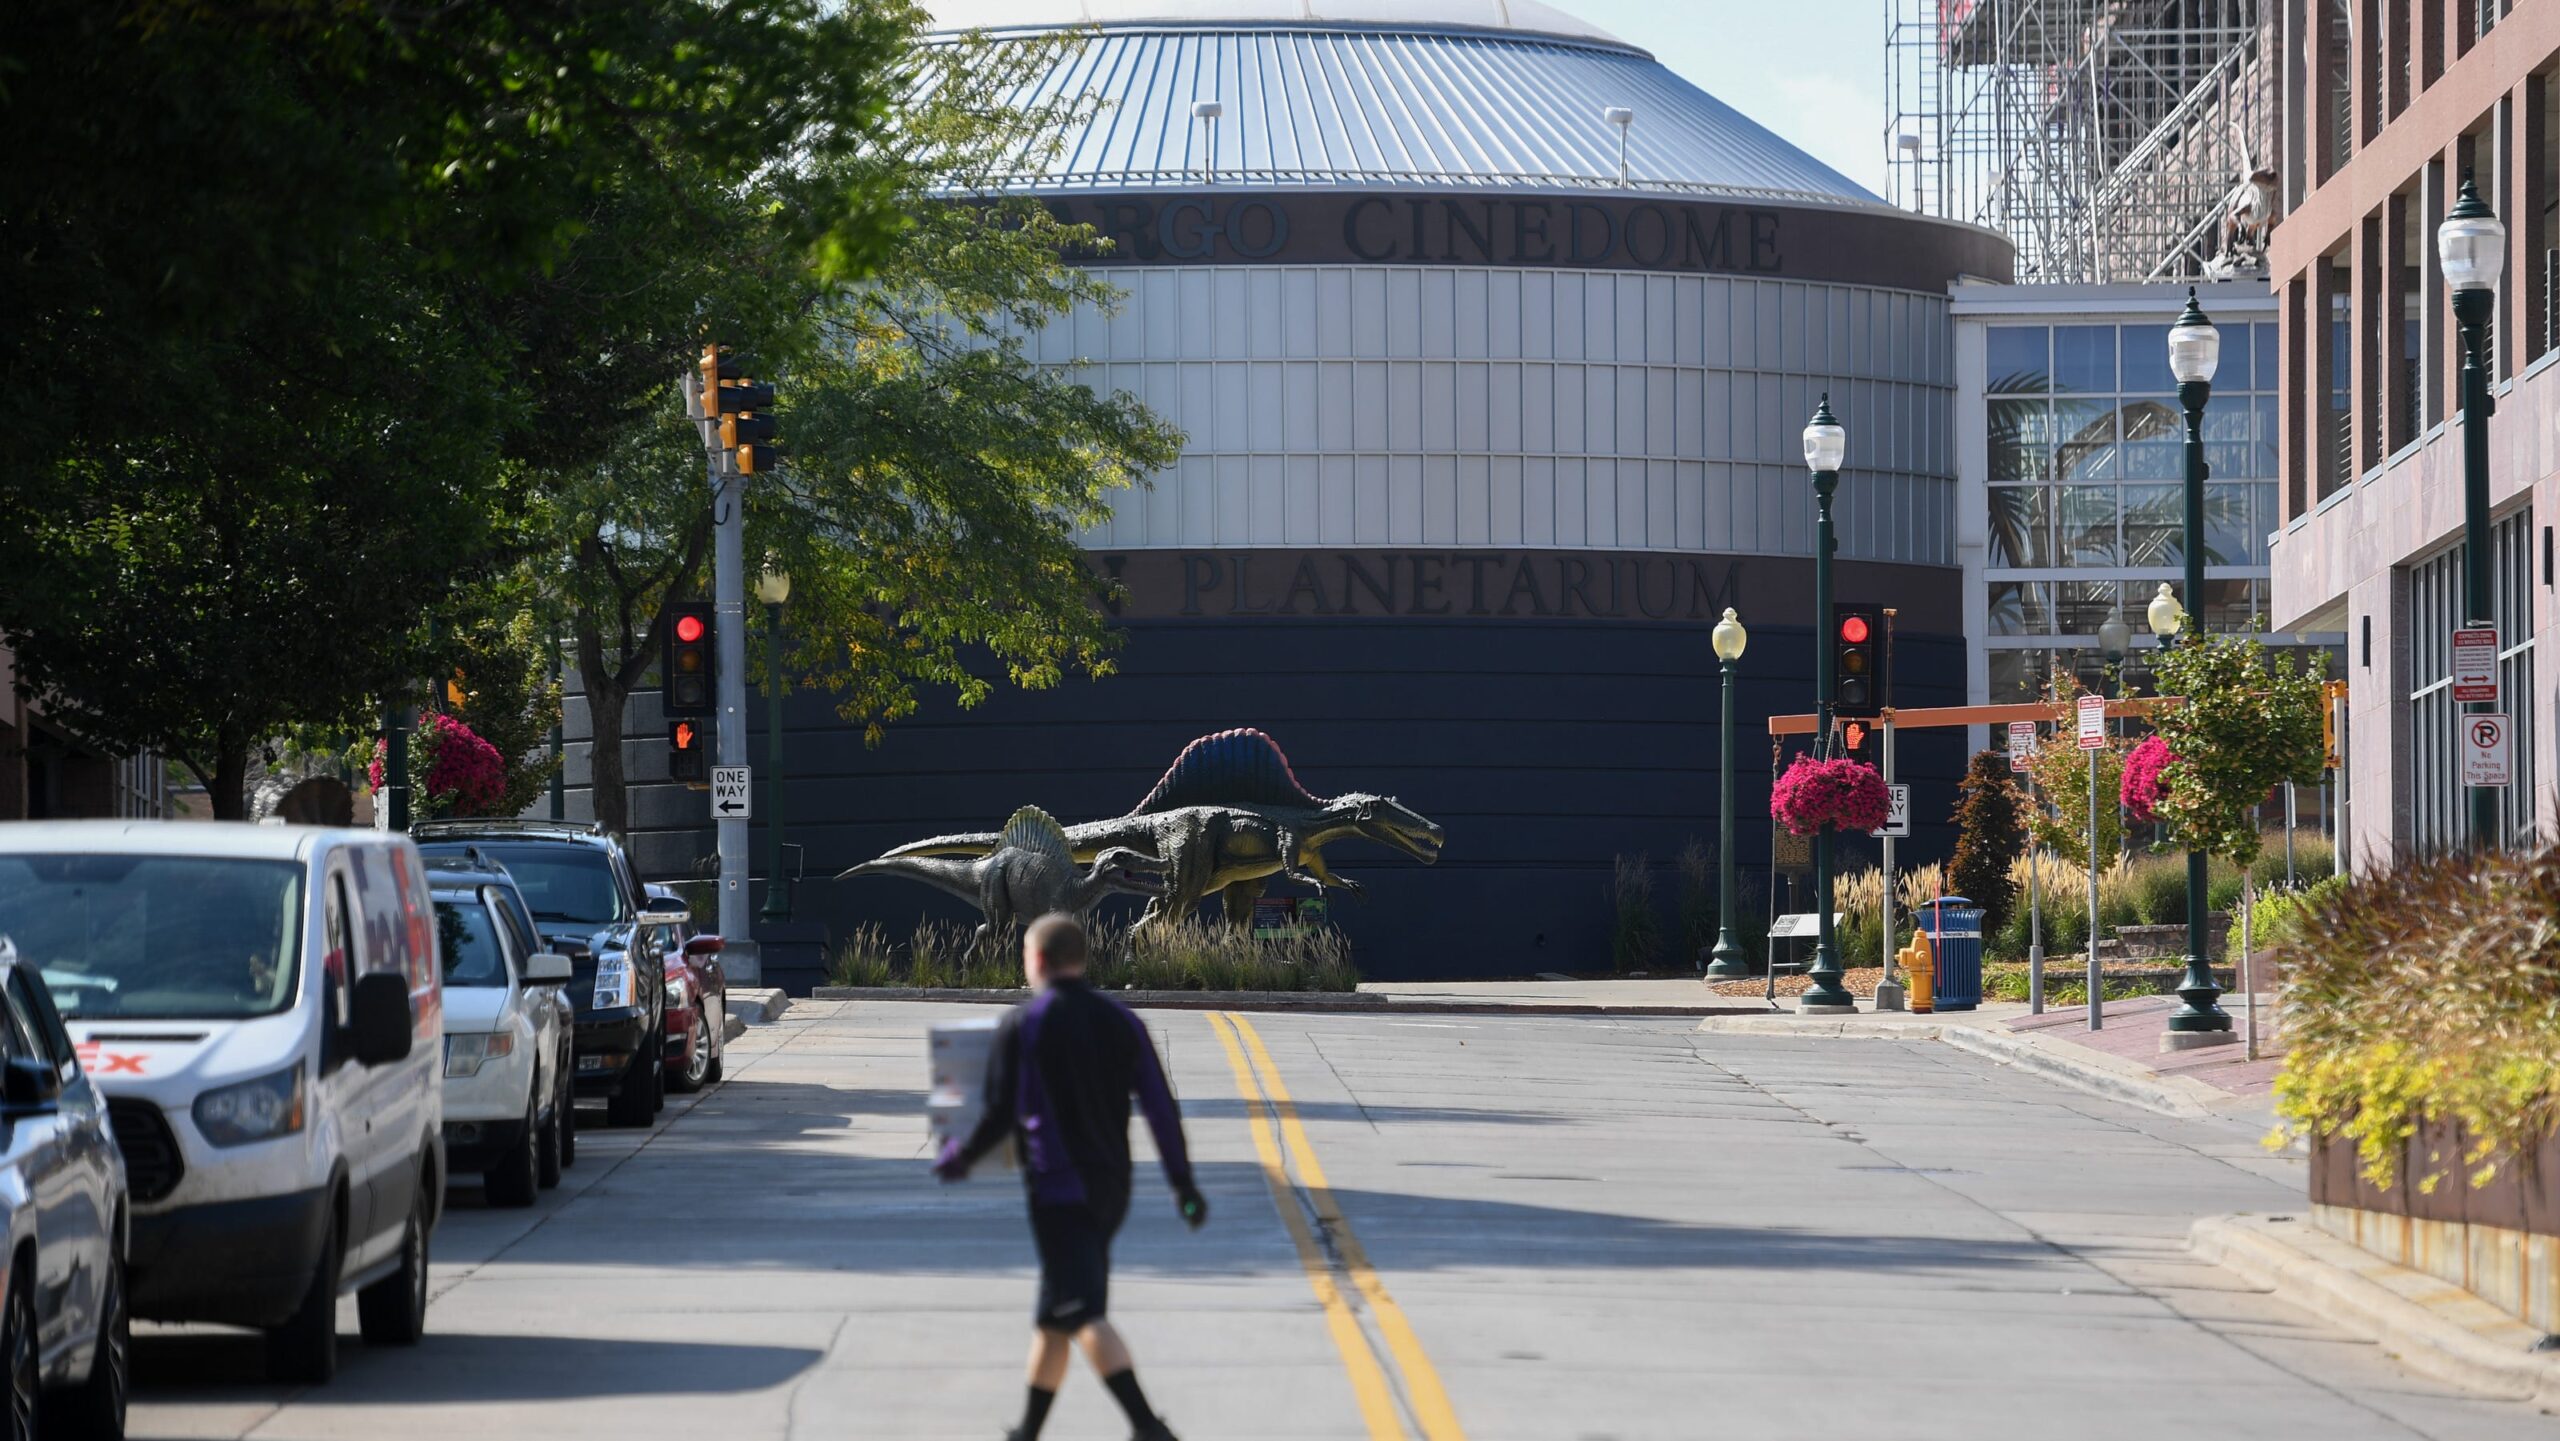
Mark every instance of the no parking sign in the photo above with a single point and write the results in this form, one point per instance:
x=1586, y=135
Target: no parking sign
x=2485, y=761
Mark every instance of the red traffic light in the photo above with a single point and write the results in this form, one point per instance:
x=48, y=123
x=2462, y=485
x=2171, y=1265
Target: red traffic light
x=1853, y=629
x=689, y=628
x=685, y=735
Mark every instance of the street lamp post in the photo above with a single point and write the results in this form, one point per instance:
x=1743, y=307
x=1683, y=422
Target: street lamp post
x=2472, y=247
x=1726, y=961
x=2195, y=352
x=1826, y=443
x=773, y=587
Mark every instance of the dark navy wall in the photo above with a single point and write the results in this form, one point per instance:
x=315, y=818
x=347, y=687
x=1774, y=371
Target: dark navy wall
x=1545, y=748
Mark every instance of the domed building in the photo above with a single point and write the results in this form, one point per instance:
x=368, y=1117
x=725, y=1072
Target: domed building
x=1493, y=340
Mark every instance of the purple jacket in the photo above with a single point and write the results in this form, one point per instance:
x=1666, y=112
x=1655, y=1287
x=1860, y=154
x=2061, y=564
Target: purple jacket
x=1061, y=1075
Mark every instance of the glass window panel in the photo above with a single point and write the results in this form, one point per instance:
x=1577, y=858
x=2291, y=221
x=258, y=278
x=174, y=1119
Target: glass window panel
x=2017, y=676
x=2229, y=418
x=2021, y=435
x=2230, y=460
x=2154, y=441
x=2153, y=421
x=2085, y=525
x=2230, y=607
x=2227, y=522
x=2021, y=607
x=2236, y=371
x=2084, y=439
x=2021, y=525
x=2146, y=360
x=2265, y=515
x=2268, y=417
x=2084, y=358
x=2154, y=525
x=2015, y=361
x=2266, y=357
x=2081, y=606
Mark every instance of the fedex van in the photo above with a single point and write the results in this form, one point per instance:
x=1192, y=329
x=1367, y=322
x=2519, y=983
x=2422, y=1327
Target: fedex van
x=260, y=1006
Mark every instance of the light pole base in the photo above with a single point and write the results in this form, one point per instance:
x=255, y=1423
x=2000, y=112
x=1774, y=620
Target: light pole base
x=2195, y=1040
x=1808, y=1006
x=1726, y=962
x=1889, y=996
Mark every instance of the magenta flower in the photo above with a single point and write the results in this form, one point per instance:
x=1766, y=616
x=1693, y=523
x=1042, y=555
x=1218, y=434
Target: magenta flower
x=1843, y=793
x=457, y=773
x=2145, y=780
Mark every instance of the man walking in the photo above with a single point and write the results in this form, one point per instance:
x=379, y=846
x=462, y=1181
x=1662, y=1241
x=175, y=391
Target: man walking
x=1059, y=1080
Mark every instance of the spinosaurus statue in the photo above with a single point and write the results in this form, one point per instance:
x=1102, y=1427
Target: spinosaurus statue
x=1030, y=872
x=1227, y=817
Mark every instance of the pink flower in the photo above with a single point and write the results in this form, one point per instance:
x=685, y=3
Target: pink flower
x=1842, y=793
x=456, y=772
x=2145, y=780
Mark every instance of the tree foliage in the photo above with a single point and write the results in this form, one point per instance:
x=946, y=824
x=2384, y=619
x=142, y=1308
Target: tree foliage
x=2061, y=815
x=1991, y=833
x=2246, y=722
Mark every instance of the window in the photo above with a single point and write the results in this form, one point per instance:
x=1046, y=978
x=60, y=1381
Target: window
x=473, y=954
x=2439, y=806
x=150, y=937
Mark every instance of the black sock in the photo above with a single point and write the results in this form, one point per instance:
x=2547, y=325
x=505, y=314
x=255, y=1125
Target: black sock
x=1035, y=1412
x=1124, y=1389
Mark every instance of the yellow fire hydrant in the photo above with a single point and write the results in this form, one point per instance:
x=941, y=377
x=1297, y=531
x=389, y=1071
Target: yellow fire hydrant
x=1920, y=973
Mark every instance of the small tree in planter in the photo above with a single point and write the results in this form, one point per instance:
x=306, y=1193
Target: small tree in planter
x=2245, y=723
x=2061, y=771
x=1991, y=833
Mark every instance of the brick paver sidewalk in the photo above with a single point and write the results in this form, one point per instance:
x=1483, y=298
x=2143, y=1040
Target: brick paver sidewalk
x=2133, y=1030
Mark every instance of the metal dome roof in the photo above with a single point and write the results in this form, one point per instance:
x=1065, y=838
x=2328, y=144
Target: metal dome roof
x=1383, y=94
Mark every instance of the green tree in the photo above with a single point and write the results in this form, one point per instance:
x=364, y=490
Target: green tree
x=2246, y=721
x=938, y=478
x=1991, y=833
x=2061, y=817
x=300, y=288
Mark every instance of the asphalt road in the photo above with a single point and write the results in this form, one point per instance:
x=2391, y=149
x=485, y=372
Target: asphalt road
x=1544, y=1229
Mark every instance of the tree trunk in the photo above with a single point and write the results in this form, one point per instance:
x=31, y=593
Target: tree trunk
x=228, y=787
x=606, y=700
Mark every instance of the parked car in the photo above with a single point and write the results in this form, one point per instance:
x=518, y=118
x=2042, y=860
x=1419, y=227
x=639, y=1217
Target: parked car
x=588, y=904
x=697, y=1003
x=260, y=1007
x=65, y=1335
x=507, y=1061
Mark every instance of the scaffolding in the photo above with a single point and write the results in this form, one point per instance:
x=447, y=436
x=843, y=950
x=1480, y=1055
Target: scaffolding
x=2110, y=140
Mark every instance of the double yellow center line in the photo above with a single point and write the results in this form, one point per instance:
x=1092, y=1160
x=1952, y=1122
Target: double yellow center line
x=1332, y=1255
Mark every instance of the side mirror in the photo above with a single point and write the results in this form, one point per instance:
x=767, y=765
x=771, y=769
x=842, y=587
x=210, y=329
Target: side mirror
x=28, y=1084
x=382, y=1019
x=666, y=911
x=548, y=968
x=704, y=946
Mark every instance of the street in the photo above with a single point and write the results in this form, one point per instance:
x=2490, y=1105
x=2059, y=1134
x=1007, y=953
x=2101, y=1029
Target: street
x=1579, y=1228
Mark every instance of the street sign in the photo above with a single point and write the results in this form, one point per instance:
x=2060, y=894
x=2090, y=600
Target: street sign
x=1897, y=819
x=2485, y=761
x=730, y=787
x=2093, y=722
x=2022, y=744
x=2475, y=664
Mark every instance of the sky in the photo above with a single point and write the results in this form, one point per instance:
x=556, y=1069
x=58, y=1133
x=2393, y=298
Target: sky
x=1811, y=70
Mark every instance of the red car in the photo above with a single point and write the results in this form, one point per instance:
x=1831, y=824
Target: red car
x=697, y=1008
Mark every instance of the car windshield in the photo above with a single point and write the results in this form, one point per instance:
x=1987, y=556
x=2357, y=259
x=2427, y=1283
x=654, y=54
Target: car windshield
x=470, y=937
x=146, y=937
x=572, y=883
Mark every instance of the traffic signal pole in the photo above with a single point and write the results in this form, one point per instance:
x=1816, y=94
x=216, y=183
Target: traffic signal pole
x=729, y=611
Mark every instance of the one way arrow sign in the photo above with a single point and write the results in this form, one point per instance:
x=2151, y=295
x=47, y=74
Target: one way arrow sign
x=730, y=787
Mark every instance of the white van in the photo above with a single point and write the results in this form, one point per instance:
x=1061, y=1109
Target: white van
x=261, y=1007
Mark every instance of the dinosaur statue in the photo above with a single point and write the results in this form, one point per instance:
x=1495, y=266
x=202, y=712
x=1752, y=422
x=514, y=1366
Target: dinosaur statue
x=1227, y=817
x=1030, y=872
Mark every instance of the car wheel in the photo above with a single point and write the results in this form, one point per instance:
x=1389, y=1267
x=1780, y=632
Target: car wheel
x=697, y=1057
x=719, y=1032
x=393, y=1310
x=304, y=1350
x=95, y=1409
x=568, y=1117
x=546, y=1148
x=26, y=1375
x=512, y=1180
x=636, y=1101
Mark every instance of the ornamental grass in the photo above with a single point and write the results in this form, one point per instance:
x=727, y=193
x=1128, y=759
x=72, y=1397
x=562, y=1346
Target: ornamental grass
x=2430, y=994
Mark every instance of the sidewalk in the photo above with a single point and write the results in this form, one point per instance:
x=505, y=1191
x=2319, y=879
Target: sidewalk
x=2133, y=1030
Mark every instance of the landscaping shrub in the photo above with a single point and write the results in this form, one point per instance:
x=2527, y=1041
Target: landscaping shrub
x=1991, y=833
x=1188, y=956
x=2313, y=858
x=1697, y=933
x=2160, y=883
x=1635, y=934
x=2429, y=993
x=2276, y=918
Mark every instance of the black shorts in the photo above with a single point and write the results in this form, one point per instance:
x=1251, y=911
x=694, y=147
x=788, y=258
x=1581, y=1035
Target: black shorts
x=1075, y=1264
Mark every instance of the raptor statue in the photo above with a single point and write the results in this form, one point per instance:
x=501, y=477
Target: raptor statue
x=1031, y=870
x=1227, y=816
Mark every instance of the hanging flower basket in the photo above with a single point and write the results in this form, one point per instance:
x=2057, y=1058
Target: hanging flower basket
x=1845, y=794
x=2146, y=780
x=456, y=772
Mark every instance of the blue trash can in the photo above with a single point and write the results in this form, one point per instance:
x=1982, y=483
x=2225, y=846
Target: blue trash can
x=1954, y=927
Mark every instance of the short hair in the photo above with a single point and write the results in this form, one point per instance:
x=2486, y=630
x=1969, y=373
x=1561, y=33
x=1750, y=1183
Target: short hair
x=1058, y=940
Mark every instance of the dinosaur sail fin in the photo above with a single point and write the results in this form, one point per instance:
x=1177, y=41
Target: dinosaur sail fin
x=1241, y=767
x=1036, y=831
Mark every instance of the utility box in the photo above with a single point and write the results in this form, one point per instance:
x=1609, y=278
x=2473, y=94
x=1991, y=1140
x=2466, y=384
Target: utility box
x=956, y=1054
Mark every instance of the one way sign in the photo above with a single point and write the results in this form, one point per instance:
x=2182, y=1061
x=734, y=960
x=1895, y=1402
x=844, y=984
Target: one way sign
x=730, y=787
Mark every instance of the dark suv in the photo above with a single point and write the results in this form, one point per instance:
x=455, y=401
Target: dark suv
x=588, y=905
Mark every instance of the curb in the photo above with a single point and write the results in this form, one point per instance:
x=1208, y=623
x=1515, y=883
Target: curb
x=2183, y=1097
x=1337, y=1002
x=2434, y=1328
x=759, y=1005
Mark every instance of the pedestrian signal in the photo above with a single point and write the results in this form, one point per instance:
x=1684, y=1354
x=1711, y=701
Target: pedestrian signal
x=1854, y=735
x=685, y=662
x=1860, y=685
x=689, y=752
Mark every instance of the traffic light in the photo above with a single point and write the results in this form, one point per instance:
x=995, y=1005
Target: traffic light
x=689, y=752
x=1861, y=687
x=716, y=365
x=751, y=437
x=738, y=397
x=1854, y=735
x=685, y=663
